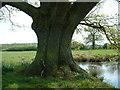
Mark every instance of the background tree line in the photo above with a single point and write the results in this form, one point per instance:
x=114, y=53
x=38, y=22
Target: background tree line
x=19, y=47
x=33, y=46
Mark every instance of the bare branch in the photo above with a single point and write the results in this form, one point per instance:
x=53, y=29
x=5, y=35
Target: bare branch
x=91, y=25
x=25, y=7
x=9, y=15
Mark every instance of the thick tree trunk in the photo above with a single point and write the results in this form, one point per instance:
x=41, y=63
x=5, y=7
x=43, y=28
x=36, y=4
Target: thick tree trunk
x=54, y=28
x=53, y=52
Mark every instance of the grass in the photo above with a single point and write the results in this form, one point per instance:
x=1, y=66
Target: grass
x=95, y=55
x=15, y=80
x=14, y=61
x=9, y=58
x=18, y=57
x=101, y=52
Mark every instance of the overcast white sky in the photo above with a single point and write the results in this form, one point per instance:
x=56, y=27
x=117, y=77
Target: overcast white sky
x=19, y=35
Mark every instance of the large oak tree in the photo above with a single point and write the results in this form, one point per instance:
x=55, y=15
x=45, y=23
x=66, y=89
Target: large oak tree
x=54, y=24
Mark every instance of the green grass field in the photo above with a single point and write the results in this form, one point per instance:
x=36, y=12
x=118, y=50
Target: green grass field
x=17, y=57
x=96, y=52
x=12, y=62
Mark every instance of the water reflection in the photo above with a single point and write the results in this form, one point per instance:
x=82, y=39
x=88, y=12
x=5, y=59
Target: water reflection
x=110, y=72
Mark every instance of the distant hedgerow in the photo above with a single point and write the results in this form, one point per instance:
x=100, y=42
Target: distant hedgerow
x=22, y=48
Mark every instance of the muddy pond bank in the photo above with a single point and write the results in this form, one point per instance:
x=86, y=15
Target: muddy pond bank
x=96, y=58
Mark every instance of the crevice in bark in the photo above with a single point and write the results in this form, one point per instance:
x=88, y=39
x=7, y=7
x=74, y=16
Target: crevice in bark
x=46, y=46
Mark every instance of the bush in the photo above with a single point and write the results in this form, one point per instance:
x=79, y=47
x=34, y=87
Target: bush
x=22, y=48
x=108, y=46
x=77, y=46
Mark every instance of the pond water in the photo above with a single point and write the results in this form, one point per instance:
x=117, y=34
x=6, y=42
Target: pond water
x=108, y=71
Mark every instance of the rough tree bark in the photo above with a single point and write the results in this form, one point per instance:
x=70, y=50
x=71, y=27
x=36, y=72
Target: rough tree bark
x=54, y=25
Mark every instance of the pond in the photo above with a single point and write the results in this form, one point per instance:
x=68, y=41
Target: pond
x=109, y=72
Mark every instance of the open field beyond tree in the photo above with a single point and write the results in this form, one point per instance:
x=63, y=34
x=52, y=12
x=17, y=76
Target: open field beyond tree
x=28, y=56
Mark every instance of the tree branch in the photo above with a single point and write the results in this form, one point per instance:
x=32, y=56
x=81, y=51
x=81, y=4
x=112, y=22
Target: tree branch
x=101, y=28
x=25, y=7
x=91, y=25
x=9, y=15
x=81, y=8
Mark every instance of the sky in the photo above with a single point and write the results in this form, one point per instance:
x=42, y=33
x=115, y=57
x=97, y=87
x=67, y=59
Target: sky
x=18, y=35
x=27, y=35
